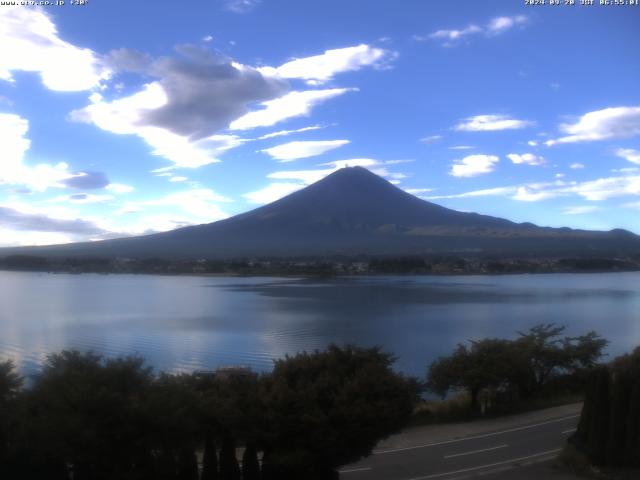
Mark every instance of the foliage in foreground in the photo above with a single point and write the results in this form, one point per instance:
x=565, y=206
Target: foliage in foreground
x=609, y=429
x=497, y=370
x=85, y=417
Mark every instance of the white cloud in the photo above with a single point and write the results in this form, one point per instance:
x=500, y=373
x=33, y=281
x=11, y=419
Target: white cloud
x=178, y=179
x=629, y=154
x=605, y=188
x=473, y=165
x=580, y=210
x=461, y=147
x=592, y=190
x=13, y=170
x=288, y=152
x=241, y=6
x=455, y=34
x=272, y=192
x=487, y=192
x=532, y=143
x=397, y=176
x=319, y=69
x=606, y=124
x=529, y=194
x=418, y=191
x=494, y=27
x=500, y=25
x=633, y=205
x=576, y=166
x=163, y=171
x=283, y=133
x=202, y=91
x=293, y=104
x=195, y=206
x=22, y=224
x=526, y=158
x=119, y=188
x=431, y=139
x=31, y=44
x=195, y=94
x=21, y=238
x=305, y=176
x=396, y=162
x=125, y=117
x=483, y=123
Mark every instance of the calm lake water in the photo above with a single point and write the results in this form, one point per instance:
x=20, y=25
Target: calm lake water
x=186, y=323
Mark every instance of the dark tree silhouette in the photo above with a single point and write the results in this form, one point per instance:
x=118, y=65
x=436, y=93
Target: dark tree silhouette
x=609, y=429
x=330, y=408
x=88, y=412
x=229, y=468
x=524, y=366
x=209, y=459
x=489, y=363
x=187, y=464
x=250, y=464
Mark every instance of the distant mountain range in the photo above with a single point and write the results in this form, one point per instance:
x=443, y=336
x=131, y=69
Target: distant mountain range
x=352, y=212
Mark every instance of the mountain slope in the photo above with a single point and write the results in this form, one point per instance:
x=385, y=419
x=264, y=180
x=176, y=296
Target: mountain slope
x=350, y=212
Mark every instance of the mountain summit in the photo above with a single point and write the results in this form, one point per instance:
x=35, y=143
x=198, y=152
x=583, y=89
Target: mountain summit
x=351, y=212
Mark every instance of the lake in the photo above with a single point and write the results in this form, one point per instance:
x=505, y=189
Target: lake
x=184, y=323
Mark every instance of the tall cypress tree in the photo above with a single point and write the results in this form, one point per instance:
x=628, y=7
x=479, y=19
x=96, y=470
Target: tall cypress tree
x=210, y=459
x=187, y=464
x=632, y=441
x=229, y=468
x=599, y=422
x=619, y=411
x=266, y=470
x=167, y=467
x=250, y=464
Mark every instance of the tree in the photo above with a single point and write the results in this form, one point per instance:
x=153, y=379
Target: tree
x=489, y=363
x=547, y=354
x=524, y=366
x=209, y=458
x=187, y=464
x=173, y=418
x=10, y=385
x=609, y=428
x=229, y=468
x=330, y=408
x=87, y=412
x=10, y=382
x=250, y=464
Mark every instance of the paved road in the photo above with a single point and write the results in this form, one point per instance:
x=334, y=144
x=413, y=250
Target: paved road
x=523, y=440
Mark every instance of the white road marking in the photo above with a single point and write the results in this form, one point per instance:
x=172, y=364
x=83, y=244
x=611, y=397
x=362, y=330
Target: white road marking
x=571, y=430
x=476, y=451
x=446, y=442
x=351, y=470
x=436, y=475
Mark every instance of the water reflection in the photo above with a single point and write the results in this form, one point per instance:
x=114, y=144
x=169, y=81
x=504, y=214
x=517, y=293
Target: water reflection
x=186, y=323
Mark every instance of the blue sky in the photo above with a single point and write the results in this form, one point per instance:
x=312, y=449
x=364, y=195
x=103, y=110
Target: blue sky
x=121, y=118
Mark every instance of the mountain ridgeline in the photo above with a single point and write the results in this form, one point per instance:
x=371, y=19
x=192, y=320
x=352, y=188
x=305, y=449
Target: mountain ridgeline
x=353, y=212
